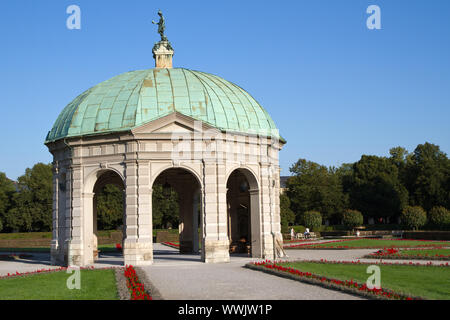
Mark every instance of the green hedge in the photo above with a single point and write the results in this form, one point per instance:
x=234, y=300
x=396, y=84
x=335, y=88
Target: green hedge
x=414, y=217
x=439, y=218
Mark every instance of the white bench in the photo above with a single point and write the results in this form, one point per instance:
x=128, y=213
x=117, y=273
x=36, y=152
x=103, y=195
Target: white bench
x=301, y=236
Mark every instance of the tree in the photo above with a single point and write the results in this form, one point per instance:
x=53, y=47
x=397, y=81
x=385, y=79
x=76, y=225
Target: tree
x=312, y=220
x=7, y=191
x=428, y=177
x=31, y=208
x=376, y=189
x=414, y=217
x=109, y=207
x=352, y=218
x=440, y=217
x=315, y=187
x=165, y=208
x=287, y=215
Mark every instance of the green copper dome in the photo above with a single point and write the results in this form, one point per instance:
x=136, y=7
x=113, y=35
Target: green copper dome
x=138, y=97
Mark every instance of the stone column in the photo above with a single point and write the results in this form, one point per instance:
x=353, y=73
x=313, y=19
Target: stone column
x=76, y=253
x=255, y=224
x=276, y=220
x=216, y=244
x=88, y=228
x=266, y=213
x=95, y=230
x=195, y=207
x=185, y=200
x=55, y=250
x=66, y=217
x=138, y=243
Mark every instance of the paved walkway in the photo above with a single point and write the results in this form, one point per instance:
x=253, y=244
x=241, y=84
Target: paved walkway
x=180, y=277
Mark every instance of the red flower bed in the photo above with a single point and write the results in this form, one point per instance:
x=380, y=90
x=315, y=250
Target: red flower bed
x=378, y=262
x=171, y=244
x=136, y=288
x=40, y=271
x=119, y=247
x=346, y=285
x=319, y=245
x=389, y=253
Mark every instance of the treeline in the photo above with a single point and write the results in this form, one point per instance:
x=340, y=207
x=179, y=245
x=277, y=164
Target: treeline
x=382, y=189
x=27, y=205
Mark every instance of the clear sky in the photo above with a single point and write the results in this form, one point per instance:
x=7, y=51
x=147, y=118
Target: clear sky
x=335, y=89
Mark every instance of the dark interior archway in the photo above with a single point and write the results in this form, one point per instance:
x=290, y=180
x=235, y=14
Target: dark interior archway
x=182, y=186
x=243, y=213
x=108, y=209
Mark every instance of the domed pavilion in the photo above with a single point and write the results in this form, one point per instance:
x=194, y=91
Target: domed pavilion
x=202, y=135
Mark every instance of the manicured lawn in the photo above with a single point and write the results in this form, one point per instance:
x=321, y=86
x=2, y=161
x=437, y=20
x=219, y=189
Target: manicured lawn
x=95, y=285
x=431, y=282
x=25, y=236
x=377, y=243
x=426, y=252
x=103, y=248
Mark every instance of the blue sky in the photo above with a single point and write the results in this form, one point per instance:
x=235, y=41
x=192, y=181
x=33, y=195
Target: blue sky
x=335, y=89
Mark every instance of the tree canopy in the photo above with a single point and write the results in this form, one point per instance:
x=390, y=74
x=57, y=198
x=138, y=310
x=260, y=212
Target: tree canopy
x=314, y=187
x=31, y=207
x=378, y=187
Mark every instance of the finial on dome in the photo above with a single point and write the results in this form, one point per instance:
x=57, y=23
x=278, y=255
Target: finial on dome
x=162, y=51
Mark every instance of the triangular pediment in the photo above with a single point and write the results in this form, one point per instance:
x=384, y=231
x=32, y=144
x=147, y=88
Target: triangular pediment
x=173, y=123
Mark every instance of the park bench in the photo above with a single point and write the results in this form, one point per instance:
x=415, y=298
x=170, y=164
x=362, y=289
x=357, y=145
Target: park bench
x=301, y=236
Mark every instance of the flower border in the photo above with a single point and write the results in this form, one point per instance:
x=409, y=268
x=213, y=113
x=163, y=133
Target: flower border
x=388, y=253
x=347, y=286
x=49, y=270
x=134, y=285
x=171, y=244
x=318, y=246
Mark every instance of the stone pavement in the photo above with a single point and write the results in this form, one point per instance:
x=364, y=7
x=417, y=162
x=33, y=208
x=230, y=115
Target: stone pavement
x=180, y=277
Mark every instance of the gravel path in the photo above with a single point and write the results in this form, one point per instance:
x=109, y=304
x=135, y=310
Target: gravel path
x=180, y=277
x=38, y=261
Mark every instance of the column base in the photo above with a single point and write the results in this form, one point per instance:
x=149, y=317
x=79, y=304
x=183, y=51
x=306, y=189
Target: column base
x=186, y=247
x=138, y=252
x=56, y=254
x=76, y=255
x=216, y=251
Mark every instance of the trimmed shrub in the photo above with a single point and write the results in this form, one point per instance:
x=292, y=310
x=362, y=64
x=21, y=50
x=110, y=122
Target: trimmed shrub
x=352, y=219
x=299, y=229
x=439, y=217
x=312, y=220
x=413, y=217
x=1, y=225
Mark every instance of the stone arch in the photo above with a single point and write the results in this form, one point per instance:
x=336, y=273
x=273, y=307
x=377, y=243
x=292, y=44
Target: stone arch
x=249, y=173
x=92, y=178
x=93, y=184
x=188, y=186
x=197, y=175
x=251, y=211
